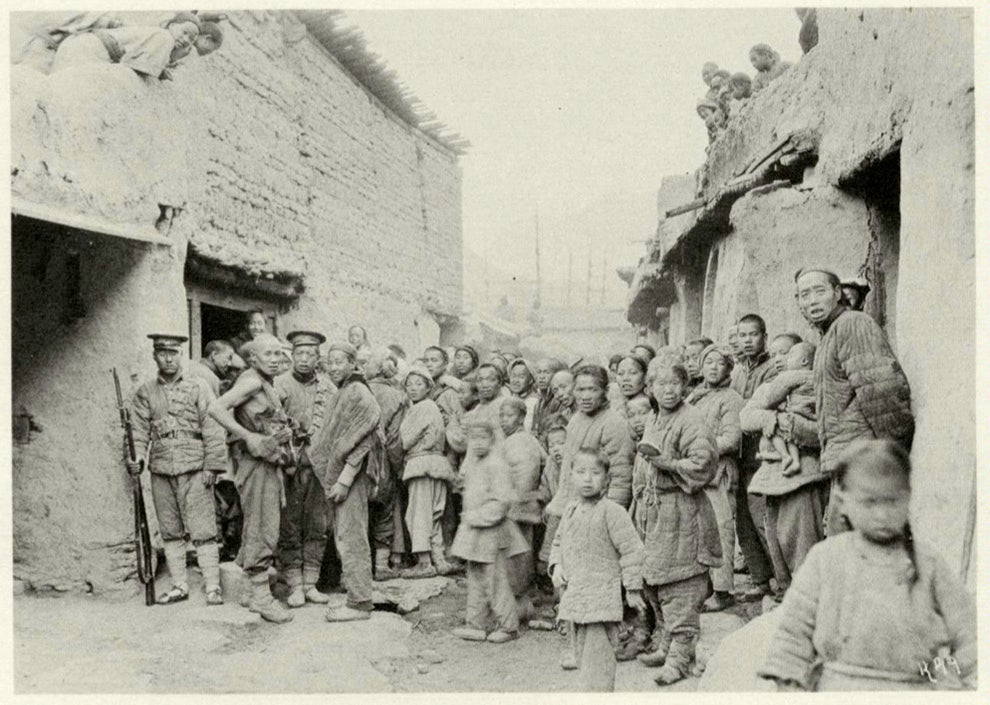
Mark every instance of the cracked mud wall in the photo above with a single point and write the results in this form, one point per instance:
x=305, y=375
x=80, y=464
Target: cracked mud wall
x=72, y=511
x=871, y=90
x=272, y=160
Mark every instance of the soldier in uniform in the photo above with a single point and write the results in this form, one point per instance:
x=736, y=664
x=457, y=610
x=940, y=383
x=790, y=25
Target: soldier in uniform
x=185, y=451
x=252, y=413
x=303, y=535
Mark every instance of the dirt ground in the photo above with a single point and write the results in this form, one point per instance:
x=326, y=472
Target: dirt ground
x=85, y=644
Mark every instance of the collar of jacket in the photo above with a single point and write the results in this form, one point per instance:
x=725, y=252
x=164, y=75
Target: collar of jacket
x=304, y=379
x=704, y=389
x=352, y=378
x=751, y=365
x=178, y=377
x=827, y=323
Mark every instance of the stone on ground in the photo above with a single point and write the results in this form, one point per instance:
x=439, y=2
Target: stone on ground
x=431, y=656
x=733, y=665
x=406, y=595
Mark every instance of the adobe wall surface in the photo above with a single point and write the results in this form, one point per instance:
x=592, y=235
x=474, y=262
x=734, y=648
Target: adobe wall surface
x=871, y=87
x=72, y=510
x=269, y=158
x=774, y=234
x=286, y=164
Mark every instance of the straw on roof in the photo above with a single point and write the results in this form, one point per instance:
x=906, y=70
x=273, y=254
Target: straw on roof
x=348, y=46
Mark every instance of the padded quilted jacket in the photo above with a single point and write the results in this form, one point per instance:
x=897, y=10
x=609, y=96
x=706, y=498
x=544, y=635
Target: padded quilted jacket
x=861, y=390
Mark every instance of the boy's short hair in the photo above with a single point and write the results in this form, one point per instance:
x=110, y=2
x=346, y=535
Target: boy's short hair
x=700, y=342
x=601, y=460
x=640, y=398
x=793, y=337
x=754, y=318
x=489, y=366
x=557, y=422
x=516, y=404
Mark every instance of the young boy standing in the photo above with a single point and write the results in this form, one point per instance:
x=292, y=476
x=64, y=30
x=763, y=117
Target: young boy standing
x=595, y=552
x=524, y=456
x=487, y=538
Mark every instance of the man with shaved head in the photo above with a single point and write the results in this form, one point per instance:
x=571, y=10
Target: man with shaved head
x=253, y=415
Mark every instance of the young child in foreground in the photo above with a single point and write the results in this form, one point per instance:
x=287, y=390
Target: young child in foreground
x=868, y=609
x=487, y=538
x=595, y=552
x=797, y=383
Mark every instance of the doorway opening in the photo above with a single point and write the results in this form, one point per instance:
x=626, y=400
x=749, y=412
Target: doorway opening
x=879, y=185
x=220, y=316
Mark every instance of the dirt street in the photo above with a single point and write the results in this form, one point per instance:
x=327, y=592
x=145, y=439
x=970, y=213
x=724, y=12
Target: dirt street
x=84, y=644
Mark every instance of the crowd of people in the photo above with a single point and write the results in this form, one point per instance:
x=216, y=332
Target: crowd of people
x=622, y=490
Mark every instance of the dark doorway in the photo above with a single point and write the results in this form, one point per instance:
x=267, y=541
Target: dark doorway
x=879, y=185
x=218, y=323
x=212, y=322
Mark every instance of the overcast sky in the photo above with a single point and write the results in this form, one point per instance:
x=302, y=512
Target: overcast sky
x=568, y=110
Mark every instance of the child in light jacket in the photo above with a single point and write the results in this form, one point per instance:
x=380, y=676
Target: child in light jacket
x=595, y=553
x=868, y=609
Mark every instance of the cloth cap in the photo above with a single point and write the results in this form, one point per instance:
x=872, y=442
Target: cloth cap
x=525, y=363
x=721, y=350
x=299, y=338
x=419, y=369
x=184, y=17
x=168, y=341
x=345, y=348
x=857, y=283
x=470, y=351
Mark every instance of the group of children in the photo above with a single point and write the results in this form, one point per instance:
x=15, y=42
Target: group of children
x=651, y=561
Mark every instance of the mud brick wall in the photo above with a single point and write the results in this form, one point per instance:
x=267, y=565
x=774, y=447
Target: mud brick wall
x=872, y=92
x=270, y=159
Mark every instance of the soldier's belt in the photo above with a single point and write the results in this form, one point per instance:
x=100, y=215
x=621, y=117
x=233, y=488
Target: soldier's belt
x=194, y=435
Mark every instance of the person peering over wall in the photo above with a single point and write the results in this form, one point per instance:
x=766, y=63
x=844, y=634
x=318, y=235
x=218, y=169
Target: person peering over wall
x=147, y=50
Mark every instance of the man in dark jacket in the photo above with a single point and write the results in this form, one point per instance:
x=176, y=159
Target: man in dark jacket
x=754, y=368
x=861, y=390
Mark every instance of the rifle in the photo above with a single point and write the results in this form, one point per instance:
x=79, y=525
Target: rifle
x=142, y=537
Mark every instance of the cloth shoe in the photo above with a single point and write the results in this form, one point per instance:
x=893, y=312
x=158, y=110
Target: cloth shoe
x=718, y=601
x=469, y=633
x=208, y=557
x=500, y=637
x=315, y=596
x=347, y=614
x=420, y=570
x=753, y=593
x=175, y=559
x=384, y=571
x=661, y=645
x=569, y=662
x=264, y=604
x=668, y=675
x=634, y=645
x=214, y=597
x=437, y=555
x=294, y=579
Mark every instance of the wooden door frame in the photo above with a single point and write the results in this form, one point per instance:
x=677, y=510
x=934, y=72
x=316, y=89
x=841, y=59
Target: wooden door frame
x=197, y=294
